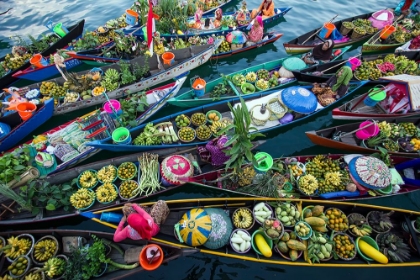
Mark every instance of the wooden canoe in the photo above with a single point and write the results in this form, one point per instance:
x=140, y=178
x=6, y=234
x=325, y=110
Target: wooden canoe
x=375, y=46
x=295, y=46
x=20, y=129
x=96, y=119
x=25, y=217
x=356, y=109
x=307, y=74
x=74, y=32
x=170, y=252
x=213, y=179
x=223, y=108
x=179, y=207
x=327, y=137
x=280, y=12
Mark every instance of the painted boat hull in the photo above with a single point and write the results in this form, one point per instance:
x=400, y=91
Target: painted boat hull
x=295, y=46
x=74, y=32
x=139, y=33
x=350, y=143
x=221, y=107
x=369, y=48
x=22, y=129
x=179, y=207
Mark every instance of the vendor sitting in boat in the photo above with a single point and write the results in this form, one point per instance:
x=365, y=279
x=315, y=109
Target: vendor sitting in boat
x=265, y=10
x=406, y=8
x=339, y=83
x=198, y=15
x=218, y=15
x=256, y=33
x=320, y=53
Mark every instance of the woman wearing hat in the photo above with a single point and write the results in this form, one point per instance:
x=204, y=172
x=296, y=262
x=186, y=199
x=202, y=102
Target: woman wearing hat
x=256, y=33
x=265, y=10
x=321, y=52
x=339, y=83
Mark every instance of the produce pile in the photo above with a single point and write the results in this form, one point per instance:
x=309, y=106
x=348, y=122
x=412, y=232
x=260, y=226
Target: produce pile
x=262, y=78
x=360, y=26
x=390, y=65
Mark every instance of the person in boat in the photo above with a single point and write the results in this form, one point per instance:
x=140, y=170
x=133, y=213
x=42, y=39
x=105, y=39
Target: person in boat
x=141, y=224
x=339, y=83
x=256, y=33
x=320, y=53
x=265, y=10
x=218, y=15
x=198, y=15
x=407, y=7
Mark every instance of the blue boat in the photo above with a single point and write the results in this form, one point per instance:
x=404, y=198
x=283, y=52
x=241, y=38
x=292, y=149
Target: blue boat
x=19, y=129
x=223, y=109
x=137, y=31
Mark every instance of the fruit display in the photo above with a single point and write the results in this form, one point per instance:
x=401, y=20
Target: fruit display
x=186, y=134
x=371, y=252
x=247, y=88
x=83, y=198
x=315, y=217
x=220, y=89
x=408, y=129
x=348, y=25
x=203, y=132
x=52, y=89
x=262, y=84
x=106, y=193
x=71, y=97
x=246, y=175
x=302, y=229
x=291, y=245
x=107, y=174
x=262, y=246
x=263, y=74
x=238, y=79
x=308, y=184
x=19, y=266
x=273, y=82
x=213, y=116
x=126, y=171
x=34, y=274
x=15, y=61
x=320, y=248
x=386, y=67
x=296, y=169
x=242, y=218
x=273, y=228
x=251, y=77
x=17, y=246
x=261, y=212
x=358, y=225
x=54, y=267
x=88, y=179
x=110, y=79
x=344, y=246
x=45, y=249
x=98, y=91
x=216, y=126
x=337, y=220
x=360, y=30
x=182, y=121
x=380, y=221
x=288, y=214
x=126, y=189
x=149, y=136
x=393, y=247
x=240, y=241
x=224, y=47
x=198, y=119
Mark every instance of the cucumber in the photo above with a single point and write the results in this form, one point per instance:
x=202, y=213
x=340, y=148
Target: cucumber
x=237, y=240
x=259, y=206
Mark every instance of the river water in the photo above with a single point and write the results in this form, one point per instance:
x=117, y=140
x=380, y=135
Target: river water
x=29, y=17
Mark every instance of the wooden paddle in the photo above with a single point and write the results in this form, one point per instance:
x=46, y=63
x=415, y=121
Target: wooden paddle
x=319, y=30
x=319, y=73
x=379, y=32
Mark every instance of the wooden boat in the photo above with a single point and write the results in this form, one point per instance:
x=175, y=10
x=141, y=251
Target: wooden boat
x=170, y=252
x=189, y=99
x=223, y=109
x=99, y=125
x=8, y=218
x=20, y=129
x=330, y=137
x=295, y=46
x=185, y=60
x=307, y=74
x=74, y=32
x=180, y=207
x=356, y=109
x=280, y=12
x=290, y=189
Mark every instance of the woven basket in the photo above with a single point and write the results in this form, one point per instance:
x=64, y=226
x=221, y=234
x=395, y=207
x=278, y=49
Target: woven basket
x=341, y=212
x=55, y=252
x=285, y=255
x=350, y=216
x=236, y=46
x=253, y=219
x=374, y=230
x=326, y=99
x=230, y=242
x=266, y=205
x=344, y=31
x=355, y=35
x=352, y=241
x=259, y=122
x=276, y=108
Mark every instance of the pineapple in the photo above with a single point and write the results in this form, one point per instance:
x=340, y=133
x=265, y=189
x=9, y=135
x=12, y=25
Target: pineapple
x=380, y=221
x=393, y=247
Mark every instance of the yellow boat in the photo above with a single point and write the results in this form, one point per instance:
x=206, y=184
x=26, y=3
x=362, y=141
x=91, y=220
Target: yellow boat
x=402, y=230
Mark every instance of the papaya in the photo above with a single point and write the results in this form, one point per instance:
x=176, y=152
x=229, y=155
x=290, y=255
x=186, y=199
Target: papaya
x=317, y=211
x=315, y=221
x=293, y=254
x=285, y=237
x=307, y=213
x=263, y=246
x=282, y=247
x=293, y=235
x=320, y=229
x=295, y=245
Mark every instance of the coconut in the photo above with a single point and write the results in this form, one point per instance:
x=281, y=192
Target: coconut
x=351, y=187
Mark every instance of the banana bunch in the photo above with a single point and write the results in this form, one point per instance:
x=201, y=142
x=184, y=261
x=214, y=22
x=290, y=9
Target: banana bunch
x=361, y=231
x=246, y=176
x=44, y=249
x=34, y=275
x=8, y=277
x=106, y=193
x=54, y=267
x=88, y=179
x=82, y=198
x=242, y=218
x=308, y=184
x=107, y=174
x=216, y=126
x=16, y=247
x=333, y=178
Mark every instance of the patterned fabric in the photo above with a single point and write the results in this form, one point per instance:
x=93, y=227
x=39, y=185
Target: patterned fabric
x=195, y=227
x=256, y=34
x=373, y=171
x=213, y=152
x=221, y=228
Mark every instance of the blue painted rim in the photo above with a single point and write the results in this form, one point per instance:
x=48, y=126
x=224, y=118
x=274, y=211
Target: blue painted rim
x=352, y=169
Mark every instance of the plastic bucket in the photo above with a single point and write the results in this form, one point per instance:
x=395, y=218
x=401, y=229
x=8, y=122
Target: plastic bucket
x=367, y=132
x=387, y=31
x=38, y=61
x=119, y=133
x=131, y=17
x=168, y=58
x=111, y=217
x=326, y=30
x=354, y=63
x=4, y=129
x=265, y=164
x=199, y=87
x=375, y=96
x=112, y=103
x=25, y=110
x=60, y=30
x=146, y=255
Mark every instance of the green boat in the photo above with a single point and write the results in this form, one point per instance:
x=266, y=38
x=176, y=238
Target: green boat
x=231, y=88
x=376, y=46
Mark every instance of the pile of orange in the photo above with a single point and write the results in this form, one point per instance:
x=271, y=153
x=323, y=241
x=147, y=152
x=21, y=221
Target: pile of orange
x=344, y=246
x=98, y=91
x=416, y=143
x=337, y=220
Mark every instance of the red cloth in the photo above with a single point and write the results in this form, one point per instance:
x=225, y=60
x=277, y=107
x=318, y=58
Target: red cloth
x=256, y=34
x=140, y=226
x=407, y=5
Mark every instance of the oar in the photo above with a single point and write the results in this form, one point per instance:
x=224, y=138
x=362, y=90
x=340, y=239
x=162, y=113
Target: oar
x=379, y=32
x=319, y=29
x=319, y=73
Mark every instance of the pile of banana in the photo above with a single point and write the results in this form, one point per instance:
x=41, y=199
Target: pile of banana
x=106, y=193
x=82, y=198
x=33, y=275
x=88, y=179
x=107, y=174
x=361, y=231
x=44, y=250
x=16, y=247
x=54, y=267
x=242, y=218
